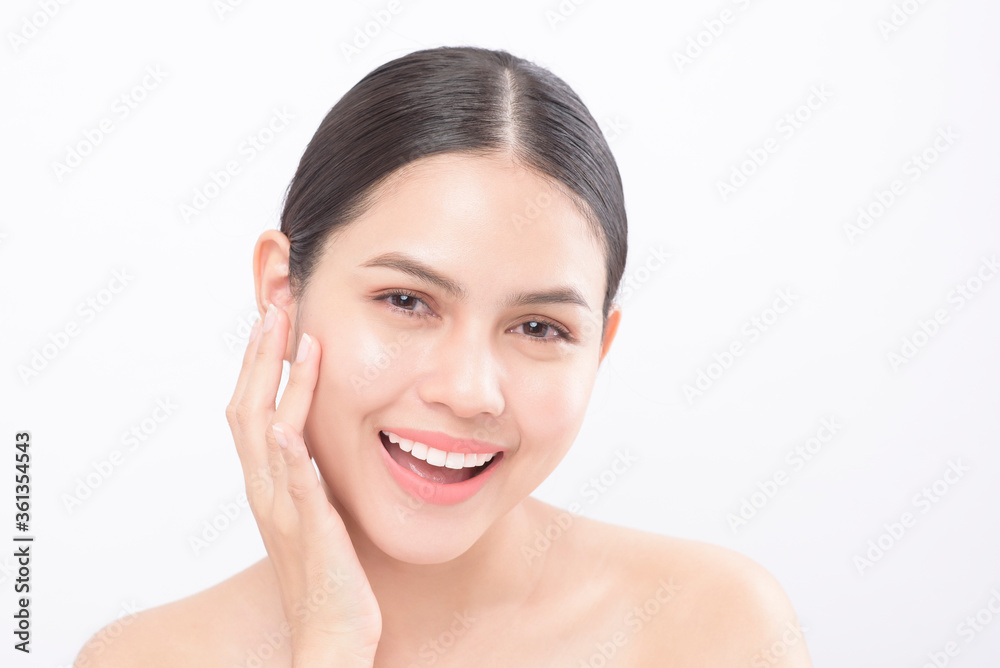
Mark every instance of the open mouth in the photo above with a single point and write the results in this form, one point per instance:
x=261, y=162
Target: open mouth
x=443, y=468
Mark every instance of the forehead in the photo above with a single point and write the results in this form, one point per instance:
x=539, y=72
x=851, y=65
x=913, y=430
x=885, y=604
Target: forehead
x=479, y=217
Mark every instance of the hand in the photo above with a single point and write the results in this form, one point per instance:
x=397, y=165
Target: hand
x=327, y=599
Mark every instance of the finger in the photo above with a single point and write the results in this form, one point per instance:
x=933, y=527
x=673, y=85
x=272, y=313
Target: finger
x=303, y=491
x=265, y=376
x=241, y=382
x=256, y=473
x=297, y=397
x=248, y=357
x=293, y=408
x=275, y=435
x=232, y=409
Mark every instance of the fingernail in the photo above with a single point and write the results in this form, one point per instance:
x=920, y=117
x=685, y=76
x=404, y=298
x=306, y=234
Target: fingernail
x=279, y=436
x=255, y=330
x=303, y=352
x=272, y=313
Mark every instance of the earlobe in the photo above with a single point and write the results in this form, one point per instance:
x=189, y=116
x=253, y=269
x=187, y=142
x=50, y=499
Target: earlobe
x=610, y=330
x=271, y=279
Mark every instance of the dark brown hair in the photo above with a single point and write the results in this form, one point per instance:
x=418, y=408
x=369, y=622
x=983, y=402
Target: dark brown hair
x=462, y=99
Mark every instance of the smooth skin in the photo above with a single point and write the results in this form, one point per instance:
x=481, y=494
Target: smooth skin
x=360, y=573
x=325, y=594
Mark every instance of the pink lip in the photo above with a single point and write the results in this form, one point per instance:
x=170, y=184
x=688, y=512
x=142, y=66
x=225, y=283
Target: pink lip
x=432, y=492
x=436, y=439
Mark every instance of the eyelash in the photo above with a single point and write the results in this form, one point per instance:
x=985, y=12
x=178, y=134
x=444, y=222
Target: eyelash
x=562, y=333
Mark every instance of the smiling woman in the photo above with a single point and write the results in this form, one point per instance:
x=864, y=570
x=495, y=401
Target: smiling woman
x=443, y=286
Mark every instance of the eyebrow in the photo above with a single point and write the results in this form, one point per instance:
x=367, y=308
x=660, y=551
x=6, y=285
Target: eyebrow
x=417, y=269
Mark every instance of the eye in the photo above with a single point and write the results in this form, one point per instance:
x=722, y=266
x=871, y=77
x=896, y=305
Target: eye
x=536, y=329
x=542, y=330
x=403, y=302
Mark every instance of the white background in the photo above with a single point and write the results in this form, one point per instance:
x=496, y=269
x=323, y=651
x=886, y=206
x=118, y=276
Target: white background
x=176, y=330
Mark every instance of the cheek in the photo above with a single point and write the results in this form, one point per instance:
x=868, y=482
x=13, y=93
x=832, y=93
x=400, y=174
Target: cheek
x=354, y=384
x=360, y=368
x=551, y=408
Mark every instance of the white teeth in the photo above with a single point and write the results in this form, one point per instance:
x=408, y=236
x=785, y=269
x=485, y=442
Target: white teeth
x=451, y=460
x=419, y=450
x=436, y=457
x=405, y=444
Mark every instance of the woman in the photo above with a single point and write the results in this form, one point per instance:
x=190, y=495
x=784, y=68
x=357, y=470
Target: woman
x=443, y=287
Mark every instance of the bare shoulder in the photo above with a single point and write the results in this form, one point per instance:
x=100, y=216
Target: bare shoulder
x=210, y=628
x=691, y=602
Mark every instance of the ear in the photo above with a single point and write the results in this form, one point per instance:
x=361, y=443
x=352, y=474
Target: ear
x=271, y=282
x=614, y=317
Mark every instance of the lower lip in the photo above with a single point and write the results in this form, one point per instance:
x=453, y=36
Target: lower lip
x=432, y=492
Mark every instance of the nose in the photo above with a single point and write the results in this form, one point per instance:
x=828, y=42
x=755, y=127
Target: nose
x=464, y=374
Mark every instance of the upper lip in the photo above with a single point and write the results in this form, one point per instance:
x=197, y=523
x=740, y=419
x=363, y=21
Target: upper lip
x=441, y=441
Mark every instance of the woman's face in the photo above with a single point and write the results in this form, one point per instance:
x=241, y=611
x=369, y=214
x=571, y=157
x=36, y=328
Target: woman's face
x=466, y=302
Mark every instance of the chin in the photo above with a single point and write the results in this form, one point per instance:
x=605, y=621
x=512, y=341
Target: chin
x=406, y=516
x=416, y=547
x=406, y=531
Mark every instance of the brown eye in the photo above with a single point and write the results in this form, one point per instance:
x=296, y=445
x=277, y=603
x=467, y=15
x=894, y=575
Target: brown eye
x=543, y=331
x=403, y=301
x=535, y=328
